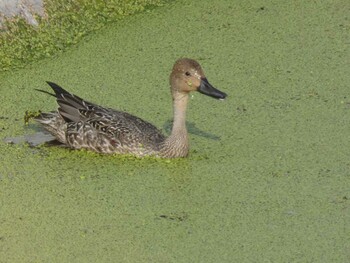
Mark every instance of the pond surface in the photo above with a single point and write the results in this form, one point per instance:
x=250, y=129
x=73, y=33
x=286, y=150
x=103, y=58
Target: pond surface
x=267, y=179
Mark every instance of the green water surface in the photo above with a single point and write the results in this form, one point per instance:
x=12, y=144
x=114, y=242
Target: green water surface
x=268, y=176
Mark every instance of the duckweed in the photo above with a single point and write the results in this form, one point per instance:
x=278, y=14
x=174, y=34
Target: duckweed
x=268, y=181
x=30, y=115
x=66, y=24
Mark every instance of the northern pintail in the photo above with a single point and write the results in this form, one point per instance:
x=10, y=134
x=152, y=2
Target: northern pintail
x=80, y=124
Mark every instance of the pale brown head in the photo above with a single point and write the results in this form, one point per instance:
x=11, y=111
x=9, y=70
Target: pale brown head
x=188, y=75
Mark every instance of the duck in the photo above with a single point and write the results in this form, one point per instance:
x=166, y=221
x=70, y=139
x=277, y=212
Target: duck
x=79, y=124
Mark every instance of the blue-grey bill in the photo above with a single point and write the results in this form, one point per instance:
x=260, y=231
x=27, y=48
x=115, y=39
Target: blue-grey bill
x=207, y=89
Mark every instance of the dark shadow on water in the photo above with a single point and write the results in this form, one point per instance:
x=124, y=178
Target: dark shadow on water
x=192, y=129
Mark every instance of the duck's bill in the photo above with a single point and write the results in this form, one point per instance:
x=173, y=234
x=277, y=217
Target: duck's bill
x=207, y=89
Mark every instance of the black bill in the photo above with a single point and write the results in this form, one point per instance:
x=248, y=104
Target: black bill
x=207, y=89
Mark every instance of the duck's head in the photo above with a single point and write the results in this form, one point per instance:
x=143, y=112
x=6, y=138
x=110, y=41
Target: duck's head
x=188, y=75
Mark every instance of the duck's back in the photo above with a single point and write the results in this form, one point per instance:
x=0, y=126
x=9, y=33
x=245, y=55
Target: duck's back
x=124, y=124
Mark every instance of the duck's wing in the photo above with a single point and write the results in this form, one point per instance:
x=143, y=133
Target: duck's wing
x=86, y=118
x=71, y=107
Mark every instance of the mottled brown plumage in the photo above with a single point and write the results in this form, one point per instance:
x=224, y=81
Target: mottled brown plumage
x=80, y=124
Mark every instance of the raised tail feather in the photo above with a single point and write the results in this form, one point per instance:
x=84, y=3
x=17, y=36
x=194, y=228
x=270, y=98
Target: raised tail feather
x=57, y=89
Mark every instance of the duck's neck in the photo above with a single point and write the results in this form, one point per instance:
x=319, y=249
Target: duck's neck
x=179, y=108
x=176, y=145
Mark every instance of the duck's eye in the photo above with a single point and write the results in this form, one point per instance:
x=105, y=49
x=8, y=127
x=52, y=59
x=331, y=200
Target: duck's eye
x=187, y=73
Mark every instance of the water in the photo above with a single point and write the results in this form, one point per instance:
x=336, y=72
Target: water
x=267, y=179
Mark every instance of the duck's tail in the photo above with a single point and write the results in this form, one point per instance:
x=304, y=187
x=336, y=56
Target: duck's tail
x=54, y=124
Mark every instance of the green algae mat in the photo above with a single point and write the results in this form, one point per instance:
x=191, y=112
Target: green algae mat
x=268, y=176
